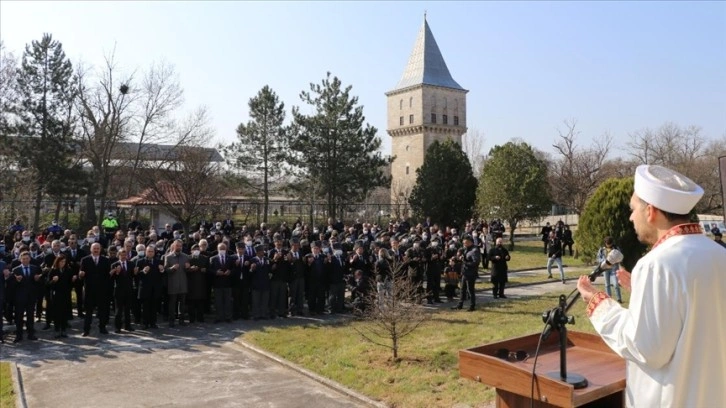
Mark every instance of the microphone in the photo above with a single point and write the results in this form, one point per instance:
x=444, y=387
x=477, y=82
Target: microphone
x=615, y=256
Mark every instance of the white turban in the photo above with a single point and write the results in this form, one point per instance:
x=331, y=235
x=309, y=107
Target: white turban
x=666, y=189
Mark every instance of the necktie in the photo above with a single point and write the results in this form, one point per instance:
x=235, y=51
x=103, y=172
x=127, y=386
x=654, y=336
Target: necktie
x=27, y=272
x=73, y=253
x=296, y=256
x=221, y=259
x=123, y=266
x=95, y=260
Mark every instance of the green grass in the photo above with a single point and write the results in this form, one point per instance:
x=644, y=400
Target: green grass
x=7, y=394
x=427, y=373
x=530, y=254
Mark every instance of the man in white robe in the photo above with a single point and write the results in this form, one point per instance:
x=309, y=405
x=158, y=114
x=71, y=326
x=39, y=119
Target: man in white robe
x=673, y=334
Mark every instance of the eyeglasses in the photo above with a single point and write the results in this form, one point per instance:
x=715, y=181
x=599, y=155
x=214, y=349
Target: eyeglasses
x=519, y=355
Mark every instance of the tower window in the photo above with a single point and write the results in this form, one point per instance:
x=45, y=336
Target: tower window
x=400, y=121
x=456, y=121
x=400, y=105
x=410, y=119
x=407, y=146
x=433, y=118
x=407, y=169
x=445, y=119
x=410, y=102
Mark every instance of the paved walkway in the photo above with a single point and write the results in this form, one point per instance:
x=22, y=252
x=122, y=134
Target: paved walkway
x=189, y=366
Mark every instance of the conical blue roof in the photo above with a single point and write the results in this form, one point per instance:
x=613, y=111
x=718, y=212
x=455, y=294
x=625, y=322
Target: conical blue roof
x=426, y=65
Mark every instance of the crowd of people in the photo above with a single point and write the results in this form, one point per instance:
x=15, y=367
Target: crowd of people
x=141, y=275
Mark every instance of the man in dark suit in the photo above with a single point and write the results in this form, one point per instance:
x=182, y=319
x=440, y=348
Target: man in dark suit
x=4, y=276
x=26, y=289
x=149, y=270
x=96, y=275
x=241, y=283
x=298, y=270
x=74, y=254
x=123, y=290
x=220, y=266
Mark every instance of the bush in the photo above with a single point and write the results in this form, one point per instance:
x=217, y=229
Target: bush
x=607, y=212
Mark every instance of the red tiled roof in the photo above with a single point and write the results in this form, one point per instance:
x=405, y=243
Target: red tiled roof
x=164, y=193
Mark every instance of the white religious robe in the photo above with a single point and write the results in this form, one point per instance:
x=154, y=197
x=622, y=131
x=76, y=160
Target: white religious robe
x=673, y=334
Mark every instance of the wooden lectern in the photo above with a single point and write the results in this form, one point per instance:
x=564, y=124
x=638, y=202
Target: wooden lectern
x=587, y=355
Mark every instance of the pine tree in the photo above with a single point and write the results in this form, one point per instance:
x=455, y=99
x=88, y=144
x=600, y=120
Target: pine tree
x=607, y=213
x=259, y=154
x=445, y=188
x=334, y=148
x=47, y=90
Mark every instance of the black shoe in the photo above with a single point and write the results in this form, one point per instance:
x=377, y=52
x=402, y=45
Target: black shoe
x=502, y=296
x=18, y=339
x=85, y=334
x=563, y=281
x=496, y=296
x=129, y=328
x=438, y=301
x=64, y=335
x=117, y=331
x=471, y=309
x=145, y=327
x=103, y=330
x=32, y=337
x=57, y=336
x=46, y=327
x=549, y=276
x=153, y=326
x=458, y=307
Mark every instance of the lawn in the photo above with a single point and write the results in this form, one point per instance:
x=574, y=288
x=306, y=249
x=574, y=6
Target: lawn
x=427, y=373
x=7, y=395
x=529, y=255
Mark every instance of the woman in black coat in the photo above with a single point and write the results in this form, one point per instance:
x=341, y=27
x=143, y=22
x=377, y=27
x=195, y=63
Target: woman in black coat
x=499, y=256
x=60, y=281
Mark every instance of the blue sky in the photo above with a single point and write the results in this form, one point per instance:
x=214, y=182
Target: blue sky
x=613, y=66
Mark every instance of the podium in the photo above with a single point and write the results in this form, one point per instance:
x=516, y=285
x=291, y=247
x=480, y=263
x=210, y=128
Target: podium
x=587, y=355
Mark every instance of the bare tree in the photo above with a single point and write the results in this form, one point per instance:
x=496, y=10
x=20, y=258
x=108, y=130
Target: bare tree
x=392, y=316
x=576, y=172
x=473, y=145
x=104, y=105
x=686, y=150
x=400, y=194
x=160, y=95
x=187, y=182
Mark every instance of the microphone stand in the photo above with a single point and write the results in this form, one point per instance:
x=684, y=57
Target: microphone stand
x=557, y=318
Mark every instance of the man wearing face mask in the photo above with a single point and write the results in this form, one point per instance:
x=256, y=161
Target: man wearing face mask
x=337, y=271
x=434, y=268
x=197, y=282
x=470, y=264
x=175, y=265
x=280, y=271
x=96, y=275
x=74, y=254
x=149, y=269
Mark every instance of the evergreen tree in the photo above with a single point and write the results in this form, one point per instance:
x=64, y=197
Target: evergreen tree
x=333, y=147
x=445, y=188
x=513, y=186
x=607, y=212
x=259, y=154
x=46, y=91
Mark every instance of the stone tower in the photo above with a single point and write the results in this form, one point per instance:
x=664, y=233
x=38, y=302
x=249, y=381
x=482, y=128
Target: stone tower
x=426, y=105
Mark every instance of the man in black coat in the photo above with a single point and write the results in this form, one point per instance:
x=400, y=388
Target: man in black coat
x=499, y=257
x=149, y=269
x=123, y=290
x=470, y=260
x=26, y=287
x=96, y=275
x=75, y=254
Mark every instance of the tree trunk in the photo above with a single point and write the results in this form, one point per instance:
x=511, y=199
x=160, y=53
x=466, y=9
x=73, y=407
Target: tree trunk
x=36, y=214
x=512, y=228
x=266, y=193
x=58, y=205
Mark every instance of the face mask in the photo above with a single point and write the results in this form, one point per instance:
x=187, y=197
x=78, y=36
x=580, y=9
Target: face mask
x=338, y=252
x=474, y=235
x=452, y=246
x=142, y=255
x=416, y=245
x=177, y=236
x=90, y=240
x=315, y=231
x=48, y=251
x=425, y=237
x=26, y=239
x=195, y=253
x=435, y=244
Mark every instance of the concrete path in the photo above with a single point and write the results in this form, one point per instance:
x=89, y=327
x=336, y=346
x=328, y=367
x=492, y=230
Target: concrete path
x=191, y=366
